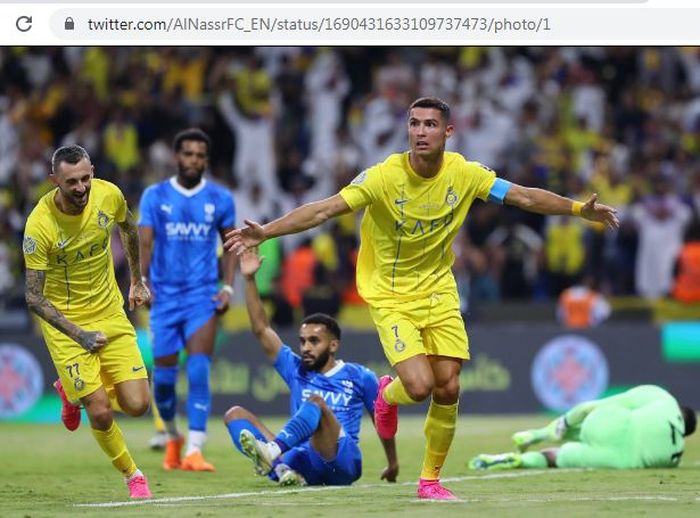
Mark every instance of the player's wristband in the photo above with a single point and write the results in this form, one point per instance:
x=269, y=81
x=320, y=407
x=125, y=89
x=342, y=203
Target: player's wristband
x=228, y=289
x=576, y=208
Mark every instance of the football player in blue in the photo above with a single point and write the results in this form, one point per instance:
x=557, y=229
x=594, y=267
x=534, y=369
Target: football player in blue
x=319, y=445
x=181, y=220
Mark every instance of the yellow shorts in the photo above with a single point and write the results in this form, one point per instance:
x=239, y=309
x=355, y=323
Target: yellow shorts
x=81, y=372
x=432, y=326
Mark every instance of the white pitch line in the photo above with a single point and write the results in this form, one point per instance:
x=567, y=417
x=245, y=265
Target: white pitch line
x=276, y=492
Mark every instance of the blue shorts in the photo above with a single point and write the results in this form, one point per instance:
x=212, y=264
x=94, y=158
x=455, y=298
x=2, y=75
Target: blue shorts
x=343, y=470
x=173, y=322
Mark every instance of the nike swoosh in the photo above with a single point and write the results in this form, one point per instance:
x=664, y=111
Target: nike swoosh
x=136, y=369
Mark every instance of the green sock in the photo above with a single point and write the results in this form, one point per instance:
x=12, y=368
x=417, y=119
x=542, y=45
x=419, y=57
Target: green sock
x=533, y=460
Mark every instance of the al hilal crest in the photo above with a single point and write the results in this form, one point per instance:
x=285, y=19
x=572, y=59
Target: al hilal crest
x=209, y=209
x=102, y=219
x=451, y=197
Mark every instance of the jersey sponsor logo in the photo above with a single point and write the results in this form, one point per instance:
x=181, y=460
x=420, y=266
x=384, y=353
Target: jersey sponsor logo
x=73, y=257
x=168, y=209
x=331, y=398
x=209, y=209
x=568, y=370
x=423, y=226
x=28, y=245
x=102, y=219
x=360, y=178
x=187, y=231
x=21, y=380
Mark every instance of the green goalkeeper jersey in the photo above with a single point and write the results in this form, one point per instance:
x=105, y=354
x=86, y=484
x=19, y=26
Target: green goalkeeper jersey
x=640, y=428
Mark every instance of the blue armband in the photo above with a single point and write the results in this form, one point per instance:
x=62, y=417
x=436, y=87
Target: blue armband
x=499, y=190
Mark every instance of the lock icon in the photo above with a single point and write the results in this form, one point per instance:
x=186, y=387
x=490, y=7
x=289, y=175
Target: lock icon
x=69, y=24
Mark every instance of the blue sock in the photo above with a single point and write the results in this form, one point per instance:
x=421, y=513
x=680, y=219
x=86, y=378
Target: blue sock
x=164, y=380
x=236, y=426
x=199, y=397
x=300, y=427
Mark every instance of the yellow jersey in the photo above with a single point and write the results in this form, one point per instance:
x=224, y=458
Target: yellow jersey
x=410, y=223
x=75, y=253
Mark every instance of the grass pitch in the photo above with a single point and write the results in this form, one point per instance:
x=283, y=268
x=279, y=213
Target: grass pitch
x=49, y=472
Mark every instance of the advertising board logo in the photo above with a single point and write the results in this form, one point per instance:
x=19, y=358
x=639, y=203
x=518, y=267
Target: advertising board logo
x=21, y=380
x=568, y=370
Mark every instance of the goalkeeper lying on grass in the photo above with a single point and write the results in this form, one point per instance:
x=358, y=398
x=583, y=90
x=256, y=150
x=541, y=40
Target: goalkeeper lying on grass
x=641, y=428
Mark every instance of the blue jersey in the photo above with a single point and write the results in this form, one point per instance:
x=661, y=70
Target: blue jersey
x=346, y=388
x=186, y=225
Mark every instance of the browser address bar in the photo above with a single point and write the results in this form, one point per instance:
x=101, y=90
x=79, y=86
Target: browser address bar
x=387, y=24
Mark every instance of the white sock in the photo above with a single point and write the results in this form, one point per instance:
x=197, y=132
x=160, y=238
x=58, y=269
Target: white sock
x=274, y=449
x=136, y=473
x=195, y=441
x=171, y=429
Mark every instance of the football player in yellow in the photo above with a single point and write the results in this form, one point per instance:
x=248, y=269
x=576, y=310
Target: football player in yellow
x=415, y=203
x=71, y=287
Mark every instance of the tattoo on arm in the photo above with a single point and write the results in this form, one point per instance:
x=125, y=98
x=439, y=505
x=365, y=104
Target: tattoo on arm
x=41, y=306
x=130, y=239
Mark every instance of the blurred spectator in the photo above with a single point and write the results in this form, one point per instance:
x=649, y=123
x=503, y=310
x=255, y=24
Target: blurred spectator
x=686, y=287
x=298, y=273
x=580, y=307
x=660, y=219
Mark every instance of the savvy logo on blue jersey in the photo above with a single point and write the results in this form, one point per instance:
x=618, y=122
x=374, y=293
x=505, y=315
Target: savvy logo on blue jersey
x=332, y=398
x=193, y=231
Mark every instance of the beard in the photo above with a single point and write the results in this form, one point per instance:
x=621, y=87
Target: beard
x=320, y=361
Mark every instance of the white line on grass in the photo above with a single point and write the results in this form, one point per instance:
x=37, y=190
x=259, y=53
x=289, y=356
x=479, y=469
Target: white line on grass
x=275, y=492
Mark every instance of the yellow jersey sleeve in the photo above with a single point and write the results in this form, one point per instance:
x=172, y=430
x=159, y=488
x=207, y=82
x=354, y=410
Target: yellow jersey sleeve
x=116, y=197
x=481, y=178
x=365, y=189
x=36, y=243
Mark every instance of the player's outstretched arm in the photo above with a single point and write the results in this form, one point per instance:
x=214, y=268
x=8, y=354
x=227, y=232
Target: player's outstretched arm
x=91, y=341
x=302, y=218
x=391, y=471
x=270, y=341
x=138, y=292
x=548, y=203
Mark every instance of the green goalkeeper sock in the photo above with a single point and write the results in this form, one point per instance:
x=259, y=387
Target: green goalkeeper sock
x=533, y=460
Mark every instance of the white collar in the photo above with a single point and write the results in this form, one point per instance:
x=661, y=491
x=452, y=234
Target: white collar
x=339, y=364
x=187, y=192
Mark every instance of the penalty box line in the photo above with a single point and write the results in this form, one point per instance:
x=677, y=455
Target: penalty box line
x=307, y=489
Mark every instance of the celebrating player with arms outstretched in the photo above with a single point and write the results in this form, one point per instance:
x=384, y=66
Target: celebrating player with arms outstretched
x=415, y=204
x=71, y=286
x=320, y=443
x=180, y=221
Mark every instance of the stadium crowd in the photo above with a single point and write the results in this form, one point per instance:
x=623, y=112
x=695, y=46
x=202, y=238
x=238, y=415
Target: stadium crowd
x=292, y=125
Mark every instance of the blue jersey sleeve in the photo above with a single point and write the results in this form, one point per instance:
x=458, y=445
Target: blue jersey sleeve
x=228, y=217
x=146, y=218
x=287, y=363
x=370, y=386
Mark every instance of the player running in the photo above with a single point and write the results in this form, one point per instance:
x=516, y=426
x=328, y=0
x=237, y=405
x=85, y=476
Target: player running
x=319, y=444
x=71, y=287
x=641, y=428
x=415, y=203
x=180, y=222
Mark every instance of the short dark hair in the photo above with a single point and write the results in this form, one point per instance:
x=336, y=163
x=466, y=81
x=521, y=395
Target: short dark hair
x=69, y=154
x=691, y=420
x=326, y=320
x=433, y=102
x=195, y=134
